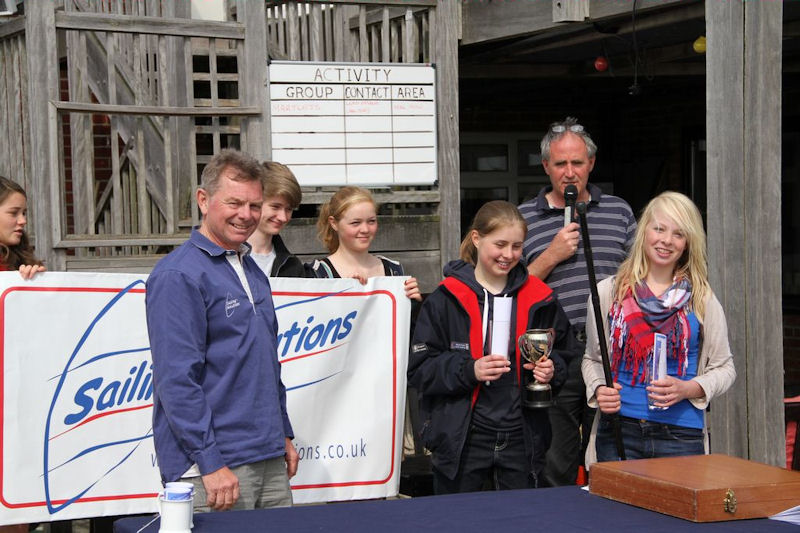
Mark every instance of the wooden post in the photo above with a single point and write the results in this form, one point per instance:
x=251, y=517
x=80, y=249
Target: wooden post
x=743, y=131
x=254, y=78
x=445, y=27
x=44, y=198
x=181, y=127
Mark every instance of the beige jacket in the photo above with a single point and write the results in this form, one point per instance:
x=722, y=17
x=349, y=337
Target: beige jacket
x=715, y=372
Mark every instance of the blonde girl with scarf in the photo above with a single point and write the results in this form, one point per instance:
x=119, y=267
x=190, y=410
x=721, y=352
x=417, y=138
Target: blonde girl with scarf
x=659, y=297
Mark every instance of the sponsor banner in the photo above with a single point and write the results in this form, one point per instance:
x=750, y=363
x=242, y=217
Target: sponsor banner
x=76, y=387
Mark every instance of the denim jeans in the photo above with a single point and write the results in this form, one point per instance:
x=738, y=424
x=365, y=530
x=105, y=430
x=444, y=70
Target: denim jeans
x=489, y=457
x=644, y=440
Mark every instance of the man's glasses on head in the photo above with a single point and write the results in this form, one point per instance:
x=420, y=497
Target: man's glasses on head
x=560, y=128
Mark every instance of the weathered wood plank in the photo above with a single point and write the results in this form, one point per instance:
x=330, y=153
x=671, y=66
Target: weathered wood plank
x=17, y=140
x=375, y=16
x=82, y=145
x=150, y=25
x=317, y=36
x=116, y=185
x=404, y=3
x=426, y=38
x=446, y=59
x=186, y=190
x=393, y=197
x=293, y=32
x=363, y=36
x=763, y=26
x=6, y=79
x=167, y=86
x=25, y=119
x=725, y=184
x=409, y=41
x=111, y=109
x=328, y=28
x=395, y=233
x=338, y=34
x=40, y=36
x=137, y=239
x=254, y=80
x=12, y=27
x=385, y=33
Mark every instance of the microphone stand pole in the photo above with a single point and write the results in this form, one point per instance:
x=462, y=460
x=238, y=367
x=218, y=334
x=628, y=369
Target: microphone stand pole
x=598, y=320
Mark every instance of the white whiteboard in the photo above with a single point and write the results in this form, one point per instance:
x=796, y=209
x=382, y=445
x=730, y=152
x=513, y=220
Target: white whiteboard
x=354, y=123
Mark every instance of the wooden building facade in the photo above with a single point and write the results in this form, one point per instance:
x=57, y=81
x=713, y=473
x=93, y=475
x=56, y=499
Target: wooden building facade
x=133, y=98
x=141, y=86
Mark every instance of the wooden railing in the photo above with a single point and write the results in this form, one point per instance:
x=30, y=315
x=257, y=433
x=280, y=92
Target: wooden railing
x=157, y=94
x=135, y=73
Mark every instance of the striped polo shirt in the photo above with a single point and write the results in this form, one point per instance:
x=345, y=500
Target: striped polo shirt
x=611, y=227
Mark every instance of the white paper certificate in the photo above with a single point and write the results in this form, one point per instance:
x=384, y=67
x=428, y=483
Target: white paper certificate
x=501, y=325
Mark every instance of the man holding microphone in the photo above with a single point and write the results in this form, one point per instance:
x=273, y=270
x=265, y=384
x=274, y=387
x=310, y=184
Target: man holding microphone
x=553, y=253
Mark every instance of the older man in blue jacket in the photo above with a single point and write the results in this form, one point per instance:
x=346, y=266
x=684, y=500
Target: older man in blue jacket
x=219, y=411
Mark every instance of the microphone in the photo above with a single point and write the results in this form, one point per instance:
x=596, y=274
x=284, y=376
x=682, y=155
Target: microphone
x=570, y=196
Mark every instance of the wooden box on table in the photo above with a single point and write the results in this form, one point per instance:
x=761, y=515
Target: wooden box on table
x=701, y=488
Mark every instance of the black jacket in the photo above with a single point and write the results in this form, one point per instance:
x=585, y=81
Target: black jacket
x=286, y=265
x=441, y=368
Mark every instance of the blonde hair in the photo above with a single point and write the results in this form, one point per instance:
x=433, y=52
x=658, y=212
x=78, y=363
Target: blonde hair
x=280, y=181
x=491, y=216
x=344, y=199
x=692, y=265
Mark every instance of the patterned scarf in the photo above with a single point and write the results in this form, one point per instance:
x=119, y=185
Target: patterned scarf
x=632, y=325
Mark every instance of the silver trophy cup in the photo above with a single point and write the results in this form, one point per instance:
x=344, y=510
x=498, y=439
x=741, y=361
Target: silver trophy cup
x=535, y=344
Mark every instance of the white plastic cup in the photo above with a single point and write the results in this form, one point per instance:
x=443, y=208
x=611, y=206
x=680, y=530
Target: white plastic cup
x=182, y=486
x=176, y=515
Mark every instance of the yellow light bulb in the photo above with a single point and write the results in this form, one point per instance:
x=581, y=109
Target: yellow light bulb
x=699, y=45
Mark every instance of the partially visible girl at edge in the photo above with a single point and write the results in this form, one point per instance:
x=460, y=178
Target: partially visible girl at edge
x=16, y=253
x=661, y=288
x=347, y=224
x=475, y=425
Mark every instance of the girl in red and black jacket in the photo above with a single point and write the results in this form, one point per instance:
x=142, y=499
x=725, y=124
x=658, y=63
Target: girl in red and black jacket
x=474, y=423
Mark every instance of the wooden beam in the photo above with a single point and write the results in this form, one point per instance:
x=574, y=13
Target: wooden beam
x=110, y=109
x=45, y=200
x=392, y=197
x=94, y=241
x=743, y=125
x=378, y=16
x=254, y=79
x=404, y=3
x=12, y=27
x=149, y=25
x=444, y=27
x=763, y=26
x=725, y=184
